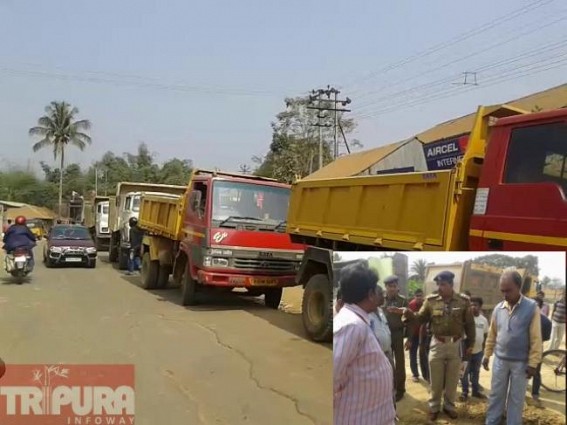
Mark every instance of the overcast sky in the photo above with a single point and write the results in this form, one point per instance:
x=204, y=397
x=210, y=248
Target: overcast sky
x=551, y=264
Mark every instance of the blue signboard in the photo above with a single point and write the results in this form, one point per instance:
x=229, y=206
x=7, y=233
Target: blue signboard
x=444, y=154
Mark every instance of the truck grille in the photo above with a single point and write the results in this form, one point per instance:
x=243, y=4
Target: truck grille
x=74, y=251
x=258, y=264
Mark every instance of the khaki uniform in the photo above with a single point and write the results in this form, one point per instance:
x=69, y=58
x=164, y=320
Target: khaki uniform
x=397, y=330
x=447, y=321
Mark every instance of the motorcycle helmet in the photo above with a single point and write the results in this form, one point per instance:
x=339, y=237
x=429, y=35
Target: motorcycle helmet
x=21, y=220
x=133, y=222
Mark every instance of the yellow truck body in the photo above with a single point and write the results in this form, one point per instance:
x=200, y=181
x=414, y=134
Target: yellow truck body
x=412, y=211
x=162, y=216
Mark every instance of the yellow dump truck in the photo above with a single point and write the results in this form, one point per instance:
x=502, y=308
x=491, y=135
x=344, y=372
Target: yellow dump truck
x=507, y=192
x=480, y=279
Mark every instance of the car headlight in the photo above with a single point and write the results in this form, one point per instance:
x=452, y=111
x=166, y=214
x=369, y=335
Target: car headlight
x=91, y=250
x=56, y=249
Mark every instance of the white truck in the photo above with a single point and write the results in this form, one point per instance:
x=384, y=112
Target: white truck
x=96, y=214
x=127, y=205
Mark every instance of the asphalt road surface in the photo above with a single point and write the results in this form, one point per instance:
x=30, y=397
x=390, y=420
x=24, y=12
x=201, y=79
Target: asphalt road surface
x=229, y=361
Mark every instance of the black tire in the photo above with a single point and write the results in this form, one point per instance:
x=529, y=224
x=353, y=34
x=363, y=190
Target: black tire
x=123, y=258
x=317, y=308
x=91, y=264
x=163, y=276
x=112, y=251
x=188, y=290
x=150, y=272
x=48, y=263
x=273, y=297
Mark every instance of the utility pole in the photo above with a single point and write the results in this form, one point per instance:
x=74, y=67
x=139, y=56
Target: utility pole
x=323, y=105
x=96, y=181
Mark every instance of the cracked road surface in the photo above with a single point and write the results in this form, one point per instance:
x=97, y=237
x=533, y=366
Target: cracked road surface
x=228, y=361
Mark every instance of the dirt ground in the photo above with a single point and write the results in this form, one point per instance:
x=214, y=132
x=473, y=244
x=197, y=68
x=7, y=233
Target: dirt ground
x=412, y=409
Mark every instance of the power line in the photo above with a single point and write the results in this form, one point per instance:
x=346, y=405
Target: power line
x=483, y=50
x=539, y=68
x=443, y=81
x=143, y=83
x=464, y=36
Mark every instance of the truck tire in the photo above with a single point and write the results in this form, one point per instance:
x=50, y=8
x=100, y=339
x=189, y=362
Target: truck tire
x=123, y=258
x=112, y=252
x=150, y=271
x=317, y=308
x=273, y=297
x=188, y=290
x=163, y=276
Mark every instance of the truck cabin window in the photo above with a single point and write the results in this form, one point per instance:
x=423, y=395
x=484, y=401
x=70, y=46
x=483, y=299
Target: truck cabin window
x=105, y=209
x=136, y=203
x=249, y=202
x=538, y=154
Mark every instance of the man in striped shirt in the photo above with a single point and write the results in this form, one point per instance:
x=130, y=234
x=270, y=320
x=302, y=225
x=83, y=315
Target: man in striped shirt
x=362, y=375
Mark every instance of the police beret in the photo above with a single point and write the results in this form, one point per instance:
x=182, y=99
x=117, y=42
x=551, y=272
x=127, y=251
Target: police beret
x=445, y=276
x=391, y=279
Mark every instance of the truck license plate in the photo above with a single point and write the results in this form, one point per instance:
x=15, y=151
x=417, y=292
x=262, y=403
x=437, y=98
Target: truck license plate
x=264, y=282
x=73, y=260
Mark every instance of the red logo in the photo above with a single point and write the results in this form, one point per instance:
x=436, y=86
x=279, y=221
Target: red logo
x=67, y=395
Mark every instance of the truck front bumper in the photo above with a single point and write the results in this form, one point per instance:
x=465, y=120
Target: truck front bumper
x=232, y=280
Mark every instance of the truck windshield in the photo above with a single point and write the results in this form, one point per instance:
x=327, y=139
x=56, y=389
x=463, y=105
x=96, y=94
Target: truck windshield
x=255, y=201
x=105, y=209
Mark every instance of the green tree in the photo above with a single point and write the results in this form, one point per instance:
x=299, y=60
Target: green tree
x=418, y=268
x=294, y=150
x=59, y=129
x=528, y=262
x=176, y=171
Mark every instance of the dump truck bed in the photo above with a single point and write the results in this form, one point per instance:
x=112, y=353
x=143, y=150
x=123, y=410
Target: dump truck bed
x=161, y=215
x=398, y=211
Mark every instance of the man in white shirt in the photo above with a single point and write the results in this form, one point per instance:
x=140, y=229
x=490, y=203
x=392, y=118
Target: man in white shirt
x=363, y=380
x=473, y=367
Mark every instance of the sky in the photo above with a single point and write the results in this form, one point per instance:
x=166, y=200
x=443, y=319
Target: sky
x=204, y=79
x=552, y=264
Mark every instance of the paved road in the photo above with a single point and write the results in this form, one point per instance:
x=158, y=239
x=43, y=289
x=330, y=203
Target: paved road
x=234, y=362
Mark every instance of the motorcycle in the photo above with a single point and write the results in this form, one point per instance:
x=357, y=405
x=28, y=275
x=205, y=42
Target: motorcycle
x=19, y=264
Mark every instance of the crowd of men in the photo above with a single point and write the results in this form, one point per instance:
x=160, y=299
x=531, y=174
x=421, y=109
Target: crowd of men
x=447, y=336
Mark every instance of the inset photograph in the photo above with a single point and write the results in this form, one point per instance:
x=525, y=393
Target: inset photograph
x=464, y=338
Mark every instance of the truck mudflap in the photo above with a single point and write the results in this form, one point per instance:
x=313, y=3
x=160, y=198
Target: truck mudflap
x=213, y=278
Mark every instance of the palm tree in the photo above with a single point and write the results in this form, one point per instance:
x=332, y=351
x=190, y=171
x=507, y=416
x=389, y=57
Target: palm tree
x=58, y=129
x=419, y=267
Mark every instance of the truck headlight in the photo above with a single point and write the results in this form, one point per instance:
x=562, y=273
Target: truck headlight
x=209, y=261
x=299, y=257
x=216, y=251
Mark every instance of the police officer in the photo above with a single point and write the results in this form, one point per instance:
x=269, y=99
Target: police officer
x=450, y=317
x=393, y=303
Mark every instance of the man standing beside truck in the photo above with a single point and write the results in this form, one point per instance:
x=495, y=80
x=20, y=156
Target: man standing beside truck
x=394, y=302
x=450, y=318
x=136, y=237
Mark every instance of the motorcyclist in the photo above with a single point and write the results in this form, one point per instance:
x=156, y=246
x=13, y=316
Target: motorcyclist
x=19, y=236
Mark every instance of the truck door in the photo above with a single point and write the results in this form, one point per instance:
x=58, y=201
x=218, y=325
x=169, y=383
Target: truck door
x=196, y=219
x=522, y=194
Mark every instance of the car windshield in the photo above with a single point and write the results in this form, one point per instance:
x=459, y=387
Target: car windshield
x=70, y=233
x=249, y=200
x=136, y=204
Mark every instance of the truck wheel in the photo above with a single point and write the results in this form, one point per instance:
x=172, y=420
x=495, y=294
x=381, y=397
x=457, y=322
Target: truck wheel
x=188, y=290
x=272, y=297
x=123, y=259
x=150, y=271
x=163, y=276
x=112, y=252
x=317, y=309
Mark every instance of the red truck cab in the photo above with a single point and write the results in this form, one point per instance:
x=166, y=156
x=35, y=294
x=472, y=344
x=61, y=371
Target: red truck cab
x=234, y=236
x=521, y=196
